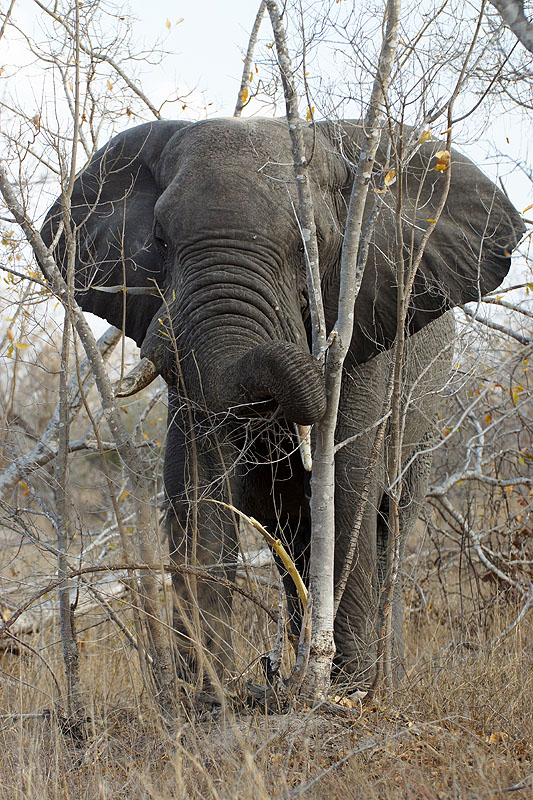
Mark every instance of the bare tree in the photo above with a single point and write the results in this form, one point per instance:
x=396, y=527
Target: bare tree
x=466, y=65
x=75, y=58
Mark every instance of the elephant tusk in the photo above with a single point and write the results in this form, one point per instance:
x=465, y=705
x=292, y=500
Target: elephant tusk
x=138, y=378
x=303, y=434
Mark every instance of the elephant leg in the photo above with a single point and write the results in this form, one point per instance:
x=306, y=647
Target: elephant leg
x=384, y=543
x=356, y=623
x=414, y=486
x=202, y=608
x=427, y=363
x=356, y=628
x=202, y=537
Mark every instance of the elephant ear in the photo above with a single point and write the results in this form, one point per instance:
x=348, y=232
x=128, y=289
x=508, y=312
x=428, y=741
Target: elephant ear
x=111, y=216
x=467, y=255
x=469, y=252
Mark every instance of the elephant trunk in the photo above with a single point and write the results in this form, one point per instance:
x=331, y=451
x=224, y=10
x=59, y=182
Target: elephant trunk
x=280, y=371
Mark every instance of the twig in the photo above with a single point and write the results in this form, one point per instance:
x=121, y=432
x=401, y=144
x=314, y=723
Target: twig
x=305, y=200
x=523, y=611
x=274, y=543
x=202, y=574
x=242, y=97
x=497, y=326
x=139, y=471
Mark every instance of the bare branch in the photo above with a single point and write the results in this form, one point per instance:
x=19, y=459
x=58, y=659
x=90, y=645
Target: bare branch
x=242, y=97
x=512, y=13
x=498, y=326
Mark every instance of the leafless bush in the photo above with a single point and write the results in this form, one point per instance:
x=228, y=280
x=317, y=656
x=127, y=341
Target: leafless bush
x=477, y=522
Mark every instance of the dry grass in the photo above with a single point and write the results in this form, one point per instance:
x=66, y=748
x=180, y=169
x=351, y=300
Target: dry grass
x=459, y=726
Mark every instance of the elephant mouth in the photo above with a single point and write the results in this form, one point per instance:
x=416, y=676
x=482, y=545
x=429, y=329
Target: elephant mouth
x=145, y=372
x=277, y=372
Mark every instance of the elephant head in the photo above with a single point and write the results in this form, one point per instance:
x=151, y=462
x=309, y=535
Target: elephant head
x=203, y=218
x=203, y=215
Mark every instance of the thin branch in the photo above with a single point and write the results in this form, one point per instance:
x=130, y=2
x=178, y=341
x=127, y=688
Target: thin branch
x=101, y=56
x=242, y=97
x=497, y=326
x=139, y=472
x=6, y=18
x=305, y=199
x=202, y=574
x=44, y=451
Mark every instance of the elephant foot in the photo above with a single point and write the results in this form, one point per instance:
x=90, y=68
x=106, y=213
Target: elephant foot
x=358, y=667
x=203, y=662
x=356, y=672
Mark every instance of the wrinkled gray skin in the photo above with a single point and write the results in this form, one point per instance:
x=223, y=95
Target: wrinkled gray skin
x=206, y=212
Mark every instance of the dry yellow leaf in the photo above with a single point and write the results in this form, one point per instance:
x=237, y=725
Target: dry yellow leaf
x=509, y=490
x=516, y=392
x=390, y=177
x=443, y=162
x=527, y=208
x=244, y=95
x=109, y=85
x=426, y=136
x=168, y=24
x=10, y=334
x=488, y=418
x=429, y=219
x=498, y=737
x=309, y=113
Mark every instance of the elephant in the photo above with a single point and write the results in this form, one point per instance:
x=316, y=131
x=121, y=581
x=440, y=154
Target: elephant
x=196, y=225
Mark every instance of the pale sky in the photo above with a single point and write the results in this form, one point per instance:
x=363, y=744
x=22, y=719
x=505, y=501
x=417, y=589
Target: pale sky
x=205, y=52
x=208, y=46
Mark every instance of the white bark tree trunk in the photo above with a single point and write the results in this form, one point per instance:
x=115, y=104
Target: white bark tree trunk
x=321, y=578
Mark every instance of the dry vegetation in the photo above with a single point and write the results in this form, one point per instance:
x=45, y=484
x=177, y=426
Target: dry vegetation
x=459, y=726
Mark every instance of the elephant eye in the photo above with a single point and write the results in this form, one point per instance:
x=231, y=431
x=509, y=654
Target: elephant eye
x=159, y=239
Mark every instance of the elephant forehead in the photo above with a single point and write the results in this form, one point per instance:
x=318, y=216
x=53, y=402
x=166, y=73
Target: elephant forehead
x=224, y=200
x=220, y=142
